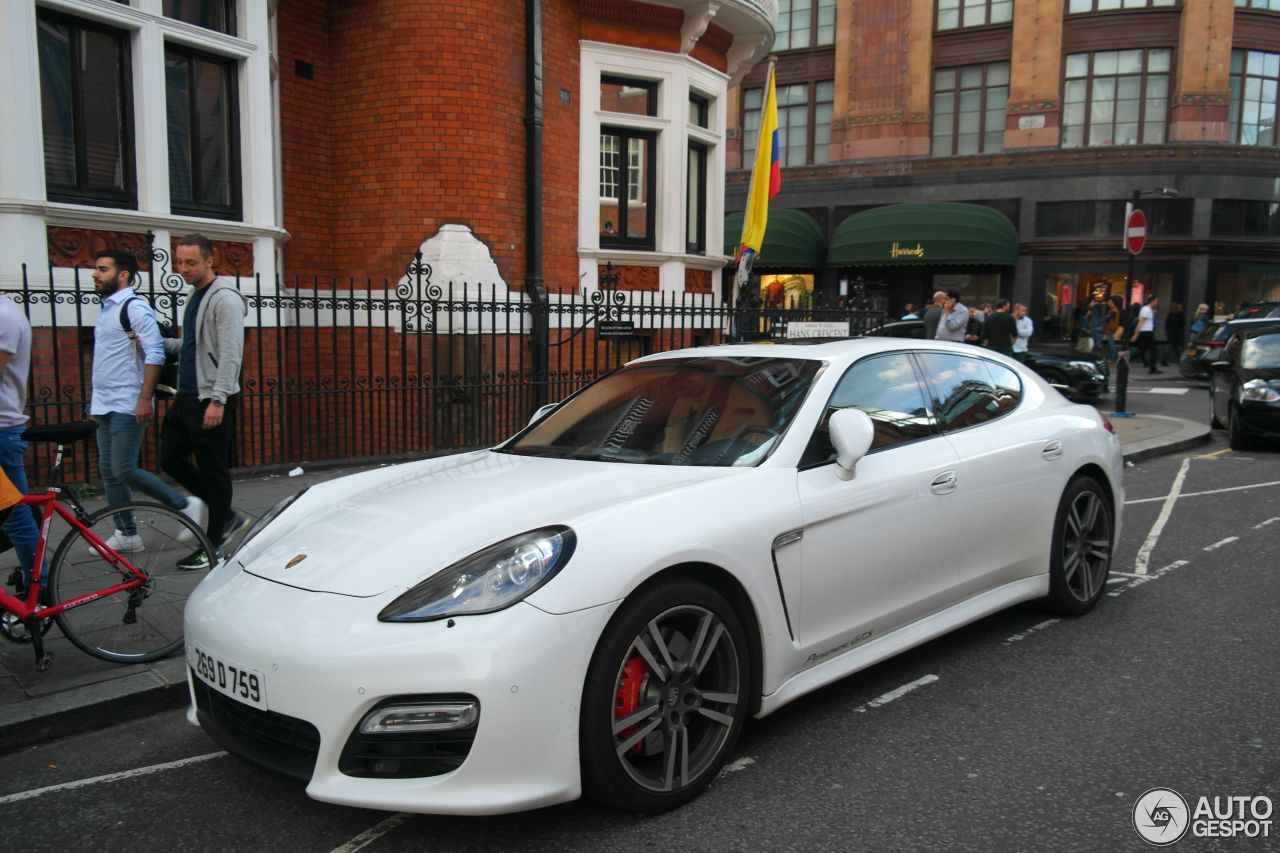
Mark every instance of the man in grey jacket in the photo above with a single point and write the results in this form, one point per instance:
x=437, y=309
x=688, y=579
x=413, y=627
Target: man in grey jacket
x=200, y=424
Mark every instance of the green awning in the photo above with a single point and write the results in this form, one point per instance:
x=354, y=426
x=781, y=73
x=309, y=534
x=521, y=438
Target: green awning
x=792, y=241
x=924, y=234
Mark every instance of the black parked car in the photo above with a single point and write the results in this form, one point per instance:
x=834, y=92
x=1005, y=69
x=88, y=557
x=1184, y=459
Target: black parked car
x=1206, y=347
x=1244, y=391
x=1078, y=376
x=1259, y=311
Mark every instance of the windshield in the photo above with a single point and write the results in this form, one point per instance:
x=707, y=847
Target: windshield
x=1261, y=352
x=681, y=411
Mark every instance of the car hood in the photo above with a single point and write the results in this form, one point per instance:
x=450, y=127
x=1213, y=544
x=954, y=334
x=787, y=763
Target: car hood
x=392, y=528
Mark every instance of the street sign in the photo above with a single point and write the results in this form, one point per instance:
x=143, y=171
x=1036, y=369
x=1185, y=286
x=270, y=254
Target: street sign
x=1135, y=231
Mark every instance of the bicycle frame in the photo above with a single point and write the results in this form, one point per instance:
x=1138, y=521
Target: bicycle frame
x=49, y=505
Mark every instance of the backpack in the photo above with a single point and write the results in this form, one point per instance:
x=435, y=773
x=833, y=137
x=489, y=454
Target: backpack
x=167, y=384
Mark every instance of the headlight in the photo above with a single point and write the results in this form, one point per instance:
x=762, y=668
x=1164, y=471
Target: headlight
x=1083, y=366
x=265, y=519
x=1259, y=390
x=488, y=580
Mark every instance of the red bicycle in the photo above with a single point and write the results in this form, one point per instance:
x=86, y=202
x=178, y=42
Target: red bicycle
x=120, y=606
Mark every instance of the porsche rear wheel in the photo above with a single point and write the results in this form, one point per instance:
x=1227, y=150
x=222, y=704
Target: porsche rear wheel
x=665, y=698
x=1082, y=546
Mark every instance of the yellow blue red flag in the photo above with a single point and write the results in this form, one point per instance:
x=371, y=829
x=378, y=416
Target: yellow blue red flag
x=766, y=177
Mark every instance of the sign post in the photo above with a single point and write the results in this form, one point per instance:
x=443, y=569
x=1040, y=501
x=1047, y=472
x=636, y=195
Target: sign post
x=1135, y=238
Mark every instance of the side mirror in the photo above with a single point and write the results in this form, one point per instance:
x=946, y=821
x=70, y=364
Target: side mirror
x=541, y=413
x=851, y=433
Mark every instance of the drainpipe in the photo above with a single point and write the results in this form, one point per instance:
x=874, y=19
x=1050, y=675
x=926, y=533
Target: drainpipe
x=534, y=288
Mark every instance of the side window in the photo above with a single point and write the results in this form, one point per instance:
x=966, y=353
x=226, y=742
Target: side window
x=886, y=388
x=963, y=394
x=1008, y=387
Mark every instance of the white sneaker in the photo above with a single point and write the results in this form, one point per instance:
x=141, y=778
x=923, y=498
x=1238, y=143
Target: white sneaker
x=122, y=544
x=196, y=510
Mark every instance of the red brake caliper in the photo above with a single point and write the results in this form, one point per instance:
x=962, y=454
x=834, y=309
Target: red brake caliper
x=628, y=698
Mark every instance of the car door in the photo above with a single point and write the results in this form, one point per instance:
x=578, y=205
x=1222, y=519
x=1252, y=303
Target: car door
x=1222, y=380
x=1009, y=476
x=873, y=546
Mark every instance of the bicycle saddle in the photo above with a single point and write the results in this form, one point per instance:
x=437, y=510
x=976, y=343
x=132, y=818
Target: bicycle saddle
x=60, y=433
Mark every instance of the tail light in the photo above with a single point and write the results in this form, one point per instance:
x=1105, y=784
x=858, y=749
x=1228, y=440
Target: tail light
x=1107, y=424
x=1214, y=344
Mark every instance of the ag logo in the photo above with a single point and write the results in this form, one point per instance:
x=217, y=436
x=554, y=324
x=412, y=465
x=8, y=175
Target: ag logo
x=1161, y=816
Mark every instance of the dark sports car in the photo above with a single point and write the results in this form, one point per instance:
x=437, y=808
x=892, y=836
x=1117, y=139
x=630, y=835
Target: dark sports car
x=1077, y=375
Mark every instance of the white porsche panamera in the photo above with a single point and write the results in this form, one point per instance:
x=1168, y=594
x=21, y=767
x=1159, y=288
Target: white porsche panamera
x=596, y=605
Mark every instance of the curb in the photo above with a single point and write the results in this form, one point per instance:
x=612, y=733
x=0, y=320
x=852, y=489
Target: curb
x=1189, y=435
x=161, y=687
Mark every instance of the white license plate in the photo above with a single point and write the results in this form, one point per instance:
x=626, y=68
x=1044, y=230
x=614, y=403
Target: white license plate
x=240, y=683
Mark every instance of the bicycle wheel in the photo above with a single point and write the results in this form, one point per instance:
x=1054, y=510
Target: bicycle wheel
x=139, y=624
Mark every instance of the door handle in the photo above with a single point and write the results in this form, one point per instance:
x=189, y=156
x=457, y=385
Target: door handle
x=1052, y=451
x=944, y=483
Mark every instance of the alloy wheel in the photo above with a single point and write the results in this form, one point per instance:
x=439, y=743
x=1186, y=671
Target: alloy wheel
x=1086, y=545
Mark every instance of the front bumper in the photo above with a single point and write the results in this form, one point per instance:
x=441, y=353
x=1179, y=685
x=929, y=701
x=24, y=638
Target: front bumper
x=327, y=661
x=1259, y=419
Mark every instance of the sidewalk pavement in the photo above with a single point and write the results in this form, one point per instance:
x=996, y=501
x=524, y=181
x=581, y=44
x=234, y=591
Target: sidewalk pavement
x=79, y=693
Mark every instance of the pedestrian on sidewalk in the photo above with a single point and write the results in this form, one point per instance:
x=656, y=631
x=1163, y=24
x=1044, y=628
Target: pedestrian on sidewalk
x=933, y=315
x=1025, y=328
x=1000, y=331
x=1175, y=331
x=15, y=365
x=1144, y=333
x=955, y=317
x=126, y=367
x=200, y=424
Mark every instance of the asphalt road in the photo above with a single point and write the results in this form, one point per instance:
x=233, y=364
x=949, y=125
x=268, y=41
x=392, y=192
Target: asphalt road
x=1021, y=732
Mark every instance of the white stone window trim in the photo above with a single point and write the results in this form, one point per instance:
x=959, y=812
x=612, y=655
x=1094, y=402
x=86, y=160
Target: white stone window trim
x=677, y=75
x=24, y=206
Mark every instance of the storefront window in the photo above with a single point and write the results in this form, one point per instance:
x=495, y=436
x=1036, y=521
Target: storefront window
x=1231, y=284
x=1067, y=296
x=975, y=288
x=789, y=290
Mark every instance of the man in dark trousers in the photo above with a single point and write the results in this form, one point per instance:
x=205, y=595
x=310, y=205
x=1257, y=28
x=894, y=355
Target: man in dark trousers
x=933, y=315
x=200, y=423
x=1000, y=330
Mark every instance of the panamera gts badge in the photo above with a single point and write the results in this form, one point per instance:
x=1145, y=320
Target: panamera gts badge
x=295, y=561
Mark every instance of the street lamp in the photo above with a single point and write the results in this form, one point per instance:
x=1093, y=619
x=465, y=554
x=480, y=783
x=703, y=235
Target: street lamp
x=1122, y=360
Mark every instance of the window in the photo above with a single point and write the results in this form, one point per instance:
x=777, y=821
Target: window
x=887, y=389
x=1115, y=97
x=1165, y=217
x=86, y=112
x=953, y=14
x=1273, y=5
x=796, y=115
x=969, y=109
x=633, y=97
x=626, y=160
x=799, y=27
x=204, y=155
x=211, y=14
x=963, y=393
x=1244, y=219
x=1254, y=77
x=699, y=108
x=696, y=200
x=1075, y=7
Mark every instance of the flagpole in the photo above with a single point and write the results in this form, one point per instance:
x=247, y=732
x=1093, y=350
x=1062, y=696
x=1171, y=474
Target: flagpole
x=763, y=186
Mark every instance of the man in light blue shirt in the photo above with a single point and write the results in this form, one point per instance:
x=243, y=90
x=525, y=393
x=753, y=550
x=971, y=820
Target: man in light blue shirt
x=955, y=318
x=126, y=367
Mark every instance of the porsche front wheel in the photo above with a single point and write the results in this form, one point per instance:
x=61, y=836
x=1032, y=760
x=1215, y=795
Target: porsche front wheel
x=665, y=698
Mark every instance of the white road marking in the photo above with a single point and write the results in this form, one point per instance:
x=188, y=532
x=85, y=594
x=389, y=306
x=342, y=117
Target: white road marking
x=1144, y=553
x=1216, y=545
x=1136, y=581
x=109, y=777
x=372, y=834
x=736, y=765
x=1209, y=492
x=1027, y=633
x=1265, y=523
x=1170, y=392
x=896, y=693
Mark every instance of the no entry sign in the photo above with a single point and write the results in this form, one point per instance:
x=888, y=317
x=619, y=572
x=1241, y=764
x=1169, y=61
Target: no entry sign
x=1135, y=231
